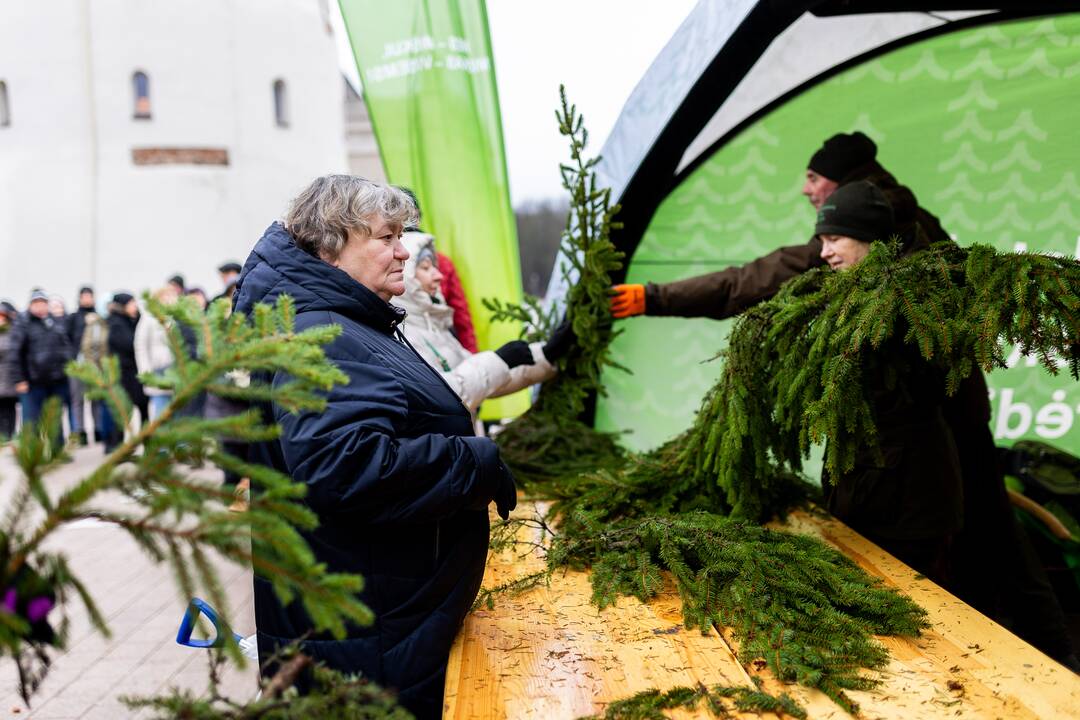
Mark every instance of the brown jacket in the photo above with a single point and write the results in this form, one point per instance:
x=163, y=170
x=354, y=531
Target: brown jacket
x=728, y=292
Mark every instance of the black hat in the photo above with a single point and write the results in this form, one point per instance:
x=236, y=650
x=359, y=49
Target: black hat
x=7, y=308
x=230, y=267
x=841, y=154
x=177, y=280
x=122, y=298
x=86, y=289
x=857, y=210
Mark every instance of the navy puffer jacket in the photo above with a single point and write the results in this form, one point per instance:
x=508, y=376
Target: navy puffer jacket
x=393, y=470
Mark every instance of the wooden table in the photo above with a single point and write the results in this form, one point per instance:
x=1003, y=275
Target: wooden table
x=549, y=653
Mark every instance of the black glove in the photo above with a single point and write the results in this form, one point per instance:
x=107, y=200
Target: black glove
x=561, y=340
x=516, y=352
x=505, y=492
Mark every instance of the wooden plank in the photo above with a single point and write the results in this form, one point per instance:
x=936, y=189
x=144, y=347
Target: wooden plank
x=995, y=673
x=549, y=653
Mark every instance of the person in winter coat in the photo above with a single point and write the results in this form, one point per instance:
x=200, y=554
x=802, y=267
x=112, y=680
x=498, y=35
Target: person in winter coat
x=76, y=324
x=8, y=396
x=122, y=320
x=39, y=351
x=399, y=481
x=94, y=348
x=428, y=327
x=94, y=345
x=909, y=501
x=152, y=351
x=229, y=273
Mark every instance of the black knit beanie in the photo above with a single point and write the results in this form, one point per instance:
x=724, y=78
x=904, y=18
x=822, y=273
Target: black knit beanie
x=841, y=154
x=857, y=210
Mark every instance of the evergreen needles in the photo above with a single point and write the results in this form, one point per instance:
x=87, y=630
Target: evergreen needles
x=791, y=600
x=332, y=696
x=795, y=366
x=650, y=704
x=549, y=441
x=174, y=516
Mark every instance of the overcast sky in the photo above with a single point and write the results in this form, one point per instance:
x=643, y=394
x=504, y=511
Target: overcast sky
x=599, y=49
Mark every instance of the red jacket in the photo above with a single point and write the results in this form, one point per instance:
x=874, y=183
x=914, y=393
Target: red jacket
x=454, y=295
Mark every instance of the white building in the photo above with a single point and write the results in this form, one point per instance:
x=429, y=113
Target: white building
x=141, y=138
x=360, y=140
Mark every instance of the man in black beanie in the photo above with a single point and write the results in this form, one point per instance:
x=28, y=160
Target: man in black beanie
x=838, y=158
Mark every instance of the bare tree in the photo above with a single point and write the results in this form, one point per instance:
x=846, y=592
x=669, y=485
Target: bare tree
x=540, y=224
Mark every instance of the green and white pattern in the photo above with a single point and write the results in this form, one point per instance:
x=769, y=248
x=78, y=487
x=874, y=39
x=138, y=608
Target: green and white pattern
x=982, y=124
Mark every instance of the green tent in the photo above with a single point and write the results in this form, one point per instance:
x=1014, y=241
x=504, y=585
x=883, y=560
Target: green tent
x=975, y=108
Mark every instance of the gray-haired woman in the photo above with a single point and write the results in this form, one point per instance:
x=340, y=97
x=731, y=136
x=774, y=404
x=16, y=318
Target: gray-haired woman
x=400, y=483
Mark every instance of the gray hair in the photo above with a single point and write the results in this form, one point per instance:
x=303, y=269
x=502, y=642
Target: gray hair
x=320, y=217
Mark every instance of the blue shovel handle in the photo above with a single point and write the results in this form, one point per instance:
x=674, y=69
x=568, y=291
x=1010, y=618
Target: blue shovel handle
x=187, y=626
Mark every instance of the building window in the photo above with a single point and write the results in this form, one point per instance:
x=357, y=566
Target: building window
x=281, y=103
x=141, y=85
x=5, y=109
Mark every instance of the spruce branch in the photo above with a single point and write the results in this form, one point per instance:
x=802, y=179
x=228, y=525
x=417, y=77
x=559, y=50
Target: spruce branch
x=177, y=518
x=719, y=700
x=590, y=257
x=331, y=696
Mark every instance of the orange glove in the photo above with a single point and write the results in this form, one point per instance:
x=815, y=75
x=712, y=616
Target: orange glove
x=627, y=300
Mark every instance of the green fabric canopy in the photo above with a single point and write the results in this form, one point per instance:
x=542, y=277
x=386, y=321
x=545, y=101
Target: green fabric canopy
x=979, y=119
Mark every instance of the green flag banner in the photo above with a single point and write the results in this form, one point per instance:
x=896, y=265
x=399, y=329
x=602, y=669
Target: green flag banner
x=429, y=85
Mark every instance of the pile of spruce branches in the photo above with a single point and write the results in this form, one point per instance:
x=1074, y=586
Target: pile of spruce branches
x=690, y=509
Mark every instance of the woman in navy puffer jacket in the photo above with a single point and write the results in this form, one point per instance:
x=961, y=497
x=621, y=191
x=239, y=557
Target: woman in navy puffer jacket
x=399, y=481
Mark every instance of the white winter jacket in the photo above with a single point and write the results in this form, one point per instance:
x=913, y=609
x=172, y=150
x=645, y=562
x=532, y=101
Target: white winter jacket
x=152, y=351
x=428, y=327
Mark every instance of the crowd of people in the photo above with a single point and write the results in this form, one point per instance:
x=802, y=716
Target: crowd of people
x=37, y=344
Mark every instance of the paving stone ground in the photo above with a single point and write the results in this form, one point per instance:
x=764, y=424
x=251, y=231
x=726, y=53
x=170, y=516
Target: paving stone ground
x=143, y=608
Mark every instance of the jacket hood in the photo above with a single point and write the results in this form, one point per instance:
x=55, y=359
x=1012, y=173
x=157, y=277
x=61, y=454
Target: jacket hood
x=277, y=266
x=415, y=301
